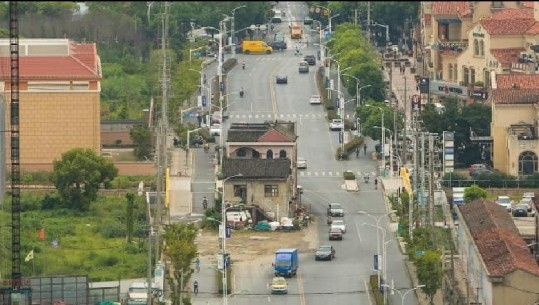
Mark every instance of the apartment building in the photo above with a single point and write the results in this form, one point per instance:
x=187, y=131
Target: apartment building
x=59, y=98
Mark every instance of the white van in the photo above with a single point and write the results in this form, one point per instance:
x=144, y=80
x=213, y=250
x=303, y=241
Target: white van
x=439, y=108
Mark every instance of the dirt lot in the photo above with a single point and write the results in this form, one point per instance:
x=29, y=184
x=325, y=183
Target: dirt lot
x=246, y=245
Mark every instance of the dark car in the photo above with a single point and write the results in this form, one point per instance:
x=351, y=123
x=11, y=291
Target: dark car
x=520, y=210
x=281, y=79
x=335, y=233
x=278, y=45
x=325, y=252
x=310, y=59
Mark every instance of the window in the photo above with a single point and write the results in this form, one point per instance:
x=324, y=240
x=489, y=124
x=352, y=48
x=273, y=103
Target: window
x=269, y=154
x=241, y=152
x=455, y=73
x=450, y=71
x=527, y=163
x=475, y=47
x=465, y=78
x=256, y=154
x=482, y=48
x=282, y=154
x=271, y=190
x=472, y=75
x=240, y=191
x=497, y=4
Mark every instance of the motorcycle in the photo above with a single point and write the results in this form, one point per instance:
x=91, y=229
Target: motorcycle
x=243, y=66
x=206, y=148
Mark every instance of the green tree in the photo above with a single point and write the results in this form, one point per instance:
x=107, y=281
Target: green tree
x=429, y=273
x=474, y=192
x=181, y=250
x=79, y=174
x=142, y=138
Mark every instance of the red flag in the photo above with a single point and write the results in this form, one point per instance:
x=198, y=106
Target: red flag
x=41, y=234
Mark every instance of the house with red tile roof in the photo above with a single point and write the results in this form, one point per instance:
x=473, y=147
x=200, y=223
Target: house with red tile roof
x=59, y=92
x=498, y=264
x=472, y=41
x=514, y=100
x=266, y=156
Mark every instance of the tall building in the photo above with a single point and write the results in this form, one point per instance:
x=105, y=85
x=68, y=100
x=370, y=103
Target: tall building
x=59, y=99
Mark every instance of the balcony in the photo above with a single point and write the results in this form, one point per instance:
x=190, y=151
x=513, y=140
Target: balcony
x=456, y=46
x=522, y=131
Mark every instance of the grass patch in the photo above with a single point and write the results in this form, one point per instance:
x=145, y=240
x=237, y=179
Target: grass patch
x=76, y=243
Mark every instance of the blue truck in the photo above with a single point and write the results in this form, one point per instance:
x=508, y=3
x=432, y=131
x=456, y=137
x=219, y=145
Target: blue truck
x=286, y=262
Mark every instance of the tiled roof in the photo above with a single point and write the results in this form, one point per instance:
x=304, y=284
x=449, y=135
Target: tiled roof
x=512, y=14
x=80, y=64
x=514, y=96
x=504, y=27
x=523, y=81
x=498, y=241
x=252, y=132
x=506, y=56
x=257, y=168
x=534, y=29
x=451, y=8
x=528, y=4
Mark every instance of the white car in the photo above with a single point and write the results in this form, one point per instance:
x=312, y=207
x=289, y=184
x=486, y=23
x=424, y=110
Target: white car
x=336, y=124
x=315, y=100
x=505, y=202
x=339, y=223
x=215, y=130
x=302, y=163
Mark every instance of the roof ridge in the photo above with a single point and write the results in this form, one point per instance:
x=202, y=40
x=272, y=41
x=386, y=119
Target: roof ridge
x=71, y=46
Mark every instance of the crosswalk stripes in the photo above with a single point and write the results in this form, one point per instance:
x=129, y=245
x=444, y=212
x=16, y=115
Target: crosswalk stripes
x=306, y=116
x=331, y=174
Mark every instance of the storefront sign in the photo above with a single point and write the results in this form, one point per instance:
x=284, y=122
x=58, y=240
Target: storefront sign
x=448, y=89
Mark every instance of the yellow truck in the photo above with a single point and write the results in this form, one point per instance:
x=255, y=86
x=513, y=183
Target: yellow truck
x=256, y=46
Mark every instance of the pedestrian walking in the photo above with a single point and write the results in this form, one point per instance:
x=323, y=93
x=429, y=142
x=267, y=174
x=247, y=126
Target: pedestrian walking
x=365, y=149
x=205, y=203
x=375, y=183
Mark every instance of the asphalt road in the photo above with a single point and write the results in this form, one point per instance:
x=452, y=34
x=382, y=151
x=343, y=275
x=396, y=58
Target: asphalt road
x=345, y=279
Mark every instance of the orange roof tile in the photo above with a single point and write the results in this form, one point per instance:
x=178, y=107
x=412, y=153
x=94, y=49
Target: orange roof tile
x=451, y=8
x=81, y=64
x=511, y=14
x=498, y=240
x=524, y=81
x=528, y=4
x=503, y=27
x=513, y=96
x=506, y=56
x=534, y=29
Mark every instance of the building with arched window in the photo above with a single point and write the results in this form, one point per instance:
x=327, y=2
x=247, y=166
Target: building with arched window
x=266, y=155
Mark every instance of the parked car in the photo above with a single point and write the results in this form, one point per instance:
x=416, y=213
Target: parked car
x=315, y=100
x=278, y=45
x=279, y=285
x=520, y=210
x=339, y=223
x=281, y=79
x=215, y=130
x=528, y=202
x=336, y=124
x=476, y=173
x=310, y=59
x=472, y=168
x=302, y=163
x=325, y=252
x=335, y=233
x=505, y=202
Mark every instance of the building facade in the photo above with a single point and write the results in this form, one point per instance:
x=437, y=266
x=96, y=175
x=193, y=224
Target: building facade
x=266, y=155
x=498, y=264
x=59, y=90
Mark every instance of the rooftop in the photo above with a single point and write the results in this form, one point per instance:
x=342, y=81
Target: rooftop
x=514, y=96
x=270, y=131
x=257, y=168
x=506, y=56
x=503, y=27
x=522, y=81
x=450, y=8
x=498, y=241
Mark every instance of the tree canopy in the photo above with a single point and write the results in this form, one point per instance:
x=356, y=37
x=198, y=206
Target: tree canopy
x=79, y=175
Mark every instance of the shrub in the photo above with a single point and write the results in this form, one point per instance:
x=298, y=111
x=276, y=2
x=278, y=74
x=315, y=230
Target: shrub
x=348, y=175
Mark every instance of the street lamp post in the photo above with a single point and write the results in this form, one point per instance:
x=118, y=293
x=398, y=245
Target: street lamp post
x=378, y=228
x=202, y=86
x=336, y=15
x=221, y=136
x=403, y=295
x=391, y=139
x=357, y=87
x=383, y=129
x=233, y=25
x=359, y=92
x=185, y=110
x=195, y=49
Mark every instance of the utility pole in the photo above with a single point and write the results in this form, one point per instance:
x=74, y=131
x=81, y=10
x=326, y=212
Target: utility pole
x=403, y=155
x=431, y=180
x=369, y=20
x=422, y=180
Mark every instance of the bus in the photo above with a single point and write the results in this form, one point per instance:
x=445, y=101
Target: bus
x=296, y=32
